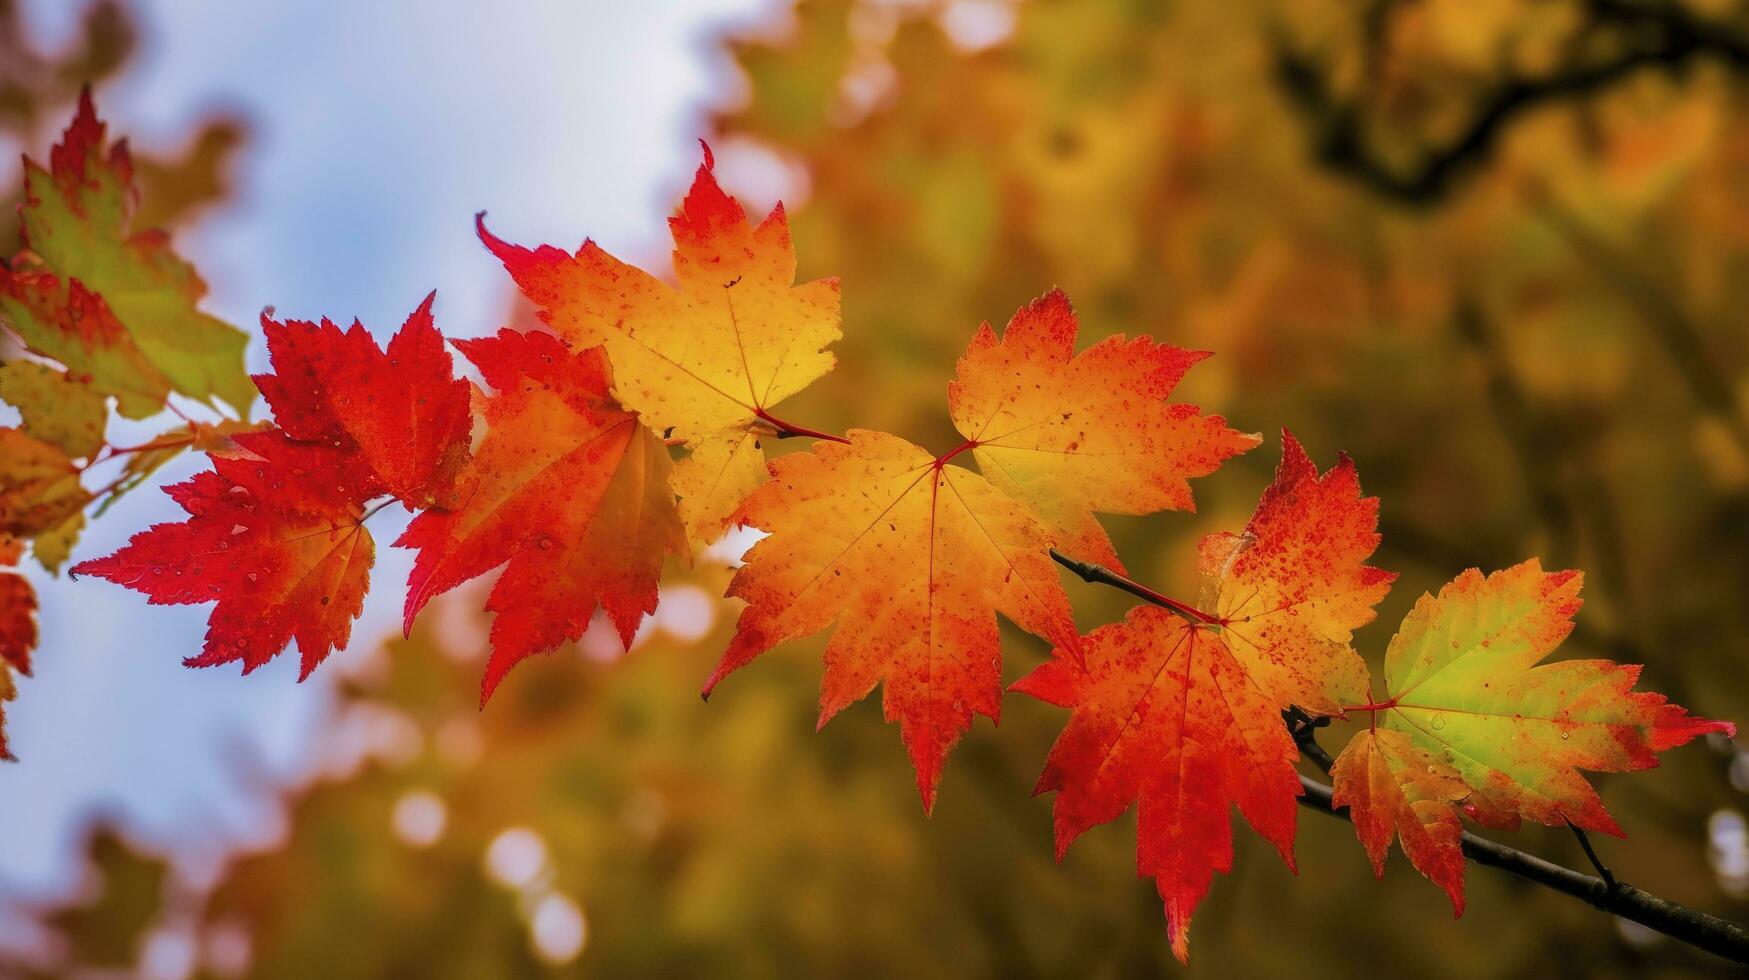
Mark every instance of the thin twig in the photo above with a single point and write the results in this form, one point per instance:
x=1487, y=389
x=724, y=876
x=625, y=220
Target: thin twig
x=1704, y=931
x=1718, y=936
x=788, y=430
x=1596, y=862
x=1626, y=37
x=1701, y=930
x=1090, y=572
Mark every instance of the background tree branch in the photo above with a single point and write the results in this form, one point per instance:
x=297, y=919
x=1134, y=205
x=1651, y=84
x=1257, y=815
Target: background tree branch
x=1619, y=38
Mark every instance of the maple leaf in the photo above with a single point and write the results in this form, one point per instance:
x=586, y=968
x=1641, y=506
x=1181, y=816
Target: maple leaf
x=703, y=361
x=275, y=537
x=567, y=487
x=1467, y=689
x=1395, y=788
x=913, y=559
x=1295, y=585
x=39, y=485
x=73, y=325
x=1073, y=434
x=52, y=547
x=1183, y=719
x=55, y=407
x=714, y=478
x=18, y=634
x=1166, y=715
x=78, y=220
x=402, y=408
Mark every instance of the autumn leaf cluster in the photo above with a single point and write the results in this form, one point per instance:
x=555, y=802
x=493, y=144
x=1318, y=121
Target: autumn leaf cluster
x=632, y=430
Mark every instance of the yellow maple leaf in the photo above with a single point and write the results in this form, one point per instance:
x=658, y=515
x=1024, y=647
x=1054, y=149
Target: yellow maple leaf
x=702, y=361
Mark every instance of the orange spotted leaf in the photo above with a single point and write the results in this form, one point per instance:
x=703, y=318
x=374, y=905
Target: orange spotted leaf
x=1295, y=585
x=39, y=485
x=567, y=488
x=912, y=559
x=274, y=538
x=1394, y=788
x=702, y=360
x=1165, y=717
x=401, y=409
x=1071, y=433
x=1183, y=719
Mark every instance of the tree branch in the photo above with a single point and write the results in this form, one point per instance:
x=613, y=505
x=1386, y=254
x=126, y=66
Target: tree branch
x=1718, y=936
x=1636, y=35
x=1703, y=931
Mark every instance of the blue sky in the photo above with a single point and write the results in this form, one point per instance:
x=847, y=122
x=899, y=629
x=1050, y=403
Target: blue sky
x=378, y=130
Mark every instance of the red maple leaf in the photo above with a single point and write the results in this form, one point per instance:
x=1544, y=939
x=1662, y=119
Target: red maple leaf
x=568, y=488
x=17, y=626
x=1183, y=718
x=275, y=538
x=401, y=409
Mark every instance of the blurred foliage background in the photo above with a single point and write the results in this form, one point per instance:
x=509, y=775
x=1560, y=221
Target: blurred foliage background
x=1494, y=249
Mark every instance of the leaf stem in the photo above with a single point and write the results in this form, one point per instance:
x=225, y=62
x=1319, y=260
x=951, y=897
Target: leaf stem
x=1101, y=575
x=367, y=515
x=1591, y=854
x=787, y=430
x=943, y=459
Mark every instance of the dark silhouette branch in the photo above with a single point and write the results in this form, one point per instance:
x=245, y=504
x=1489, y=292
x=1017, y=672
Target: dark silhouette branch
x=1703, y=931
x=1621, y=38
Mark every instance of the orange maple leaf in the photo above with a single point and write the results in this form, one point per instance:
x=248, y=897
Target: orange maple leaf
x=1071, y=433
x=1291, y=589
x=913, y=559
x=705, y=361
x=1183, y=718
x=1395, y=788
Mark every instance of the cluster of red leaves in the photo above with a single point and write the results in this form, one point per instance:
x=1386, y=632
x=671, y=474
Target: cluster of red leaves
x=564, y=476
x=275, y=533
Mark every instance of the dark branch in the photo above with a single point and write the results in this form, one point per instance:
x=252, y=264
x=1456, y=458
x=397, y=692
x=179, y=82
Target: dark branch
x=1698, y=929
x=1633, y=35
x=1603, y=871
x=1101, y=575
x=1720, y=937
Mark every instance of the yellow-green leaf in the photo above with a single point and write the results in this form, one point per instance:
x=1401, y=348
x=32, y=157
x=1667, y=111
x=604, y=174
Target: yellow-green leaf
x=56, y=407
